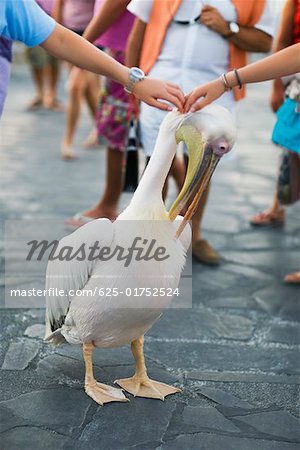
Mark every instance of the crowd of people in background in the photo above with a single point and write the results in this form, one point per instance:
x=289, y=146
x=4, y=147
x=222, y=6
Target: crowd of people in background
x=182, y=41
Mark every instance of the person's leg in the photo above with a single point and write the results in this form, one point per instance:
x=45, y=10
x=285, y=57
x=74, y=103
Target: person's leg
x=201, y=249
x=77, y=87
x=178, y=172
x=52, y=70
x=198, y=216
x=37, y=60
x=108, y=204
x=92, y=93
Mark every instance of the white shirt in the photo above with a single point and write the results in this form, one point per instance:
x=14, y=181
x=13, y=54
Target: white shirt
x=192, y=54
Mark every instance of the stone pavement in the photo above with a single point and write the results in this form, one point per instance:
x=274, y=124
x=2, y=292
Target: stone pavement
x=235, y=353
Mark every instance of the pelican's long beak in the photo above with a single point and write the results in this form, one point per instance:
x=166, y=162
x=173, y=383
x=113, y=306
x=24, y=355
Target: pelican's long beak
x=201, y=166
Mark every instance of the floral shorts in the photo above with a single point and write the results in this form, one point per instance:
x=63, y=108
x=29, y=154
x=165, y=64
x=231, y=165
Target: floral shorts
x=112, y=119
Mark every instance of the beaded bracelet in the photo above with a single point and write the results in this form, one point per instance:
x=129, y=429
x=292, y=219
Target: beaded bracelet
x=238, y=79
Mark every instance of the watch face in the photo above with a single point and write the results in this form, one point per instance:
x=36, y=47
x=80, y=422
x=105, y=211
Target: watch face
x=234, y=28
x=137, y=73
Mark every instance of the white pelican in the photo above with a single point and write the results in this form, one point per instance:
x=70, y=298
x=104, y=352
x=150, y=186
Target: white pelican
x=110, y=317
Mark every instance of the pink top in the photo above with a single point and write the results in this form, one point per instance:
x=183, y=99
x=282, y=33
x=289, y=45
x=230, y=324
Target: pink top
x=77, y=14
x=116, y=36
x=46, y=5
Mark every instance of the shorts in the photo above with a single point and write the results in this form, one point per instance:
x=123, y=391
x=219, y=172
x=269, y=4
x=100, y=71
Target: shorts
x=38, y=58
x=112, y=119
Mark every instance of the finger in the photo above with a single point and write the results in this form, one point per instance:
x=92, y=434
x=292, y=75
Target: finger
x=206, y=8
x=199, y=105
x=175, y=100
x=192, y=100
x=160, y=105
x=178, y=93
x=173, y=85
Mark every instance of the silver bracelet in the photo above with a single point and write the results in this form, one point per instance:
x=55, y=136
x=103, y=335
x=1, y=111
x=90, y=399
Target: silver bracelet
x=224, y=80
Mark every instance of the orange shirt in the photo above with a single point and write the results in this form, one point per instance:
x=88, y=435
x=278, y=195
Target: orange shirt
x=163, y=11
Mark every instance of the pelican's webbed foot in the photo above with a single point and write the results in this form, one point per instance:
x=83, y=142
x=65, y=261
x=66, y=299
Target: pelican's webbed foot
x=140, y=384
x=102, y=393
x=145, y=387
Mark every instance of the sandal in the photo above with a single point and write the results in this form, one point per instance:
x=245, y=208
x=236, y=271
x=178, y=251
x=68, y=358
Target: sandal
x=77, y=221
x=292, y=278
x=205, y=253
x=35, y=104
x=67, y=152
x=267, y=219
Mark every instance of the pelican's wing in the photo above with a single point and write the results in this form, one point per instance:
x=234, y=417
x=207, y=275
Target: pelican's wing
x=64, y=275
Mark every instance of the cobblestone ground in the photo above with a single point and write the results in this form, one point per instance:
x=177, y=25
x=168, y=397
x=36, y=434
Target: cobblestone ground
x=235, y=353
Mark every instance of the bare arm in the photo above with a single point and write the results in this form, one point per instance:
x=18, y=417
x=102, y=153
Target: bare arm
x=252, y=40
x=65, y=44
x=135, y=43
x=284, y=39
x=108, y=14
x=286, y=62
x=57, y=11
x=249, y=39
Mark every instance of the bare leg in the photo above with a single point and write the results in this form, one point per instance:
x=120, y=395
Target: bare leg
x=108, y=204
x=53, y=71
x=76, y=90
x=92, y=93
x=99, y=392
x=198, y=216
x=38, y=76
x=178, y=172
x=140, y=384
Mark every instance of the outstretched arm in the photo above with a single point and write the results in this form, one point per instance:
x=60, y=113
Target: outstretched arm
x=108, y=14
x=65, y=44
x=286, y=62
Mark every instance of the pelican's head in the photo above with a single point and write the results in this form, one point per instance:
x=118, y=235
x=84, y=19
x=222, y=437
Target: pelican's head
x=208, y=135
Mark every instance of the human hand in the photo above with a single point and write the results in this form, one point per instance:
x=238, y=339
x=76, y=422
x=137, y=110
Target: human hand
x=209, y=91
x=277, y=95
x=214, y=20
x=152, y=91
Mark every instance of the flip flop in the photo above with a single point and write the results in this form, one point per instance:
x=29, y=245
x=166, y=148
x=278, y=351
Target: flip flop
x=35, y=104
x=67, y=153
x=77, y=221
x=292, y=278
x=265, y=219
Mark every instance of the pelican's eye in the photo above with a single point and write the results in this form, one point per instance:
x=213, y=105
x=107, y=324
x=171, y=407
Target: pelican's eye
x=220, y=147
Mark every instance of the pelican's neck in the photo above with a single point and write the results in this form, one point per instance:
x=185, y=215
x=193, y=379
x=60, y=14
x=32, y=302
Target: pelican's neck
x=149, y=190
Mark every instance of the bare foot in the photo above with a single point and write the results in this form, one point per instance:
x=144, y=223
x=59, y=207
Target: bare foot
x=101, y=212
x=35, y=104
x=91, y=141
x=67, y=152
x=269, y=219
x=292, y=278
x=54, y=105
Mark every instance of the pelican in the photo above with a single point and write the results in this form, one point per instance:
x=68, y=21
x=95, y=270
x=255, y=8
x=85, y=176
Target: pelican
x=109, y=302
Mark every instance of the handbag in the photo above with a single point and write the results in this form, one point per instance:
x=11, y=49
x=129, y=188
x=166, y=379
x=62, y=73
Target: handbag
x=288, y=184
x=131, y=171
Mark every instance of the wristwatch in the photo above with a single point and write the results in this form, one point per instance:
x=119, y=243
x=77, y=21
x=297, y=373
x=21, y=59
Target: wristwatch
x=135, y=75
x=234, y=29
